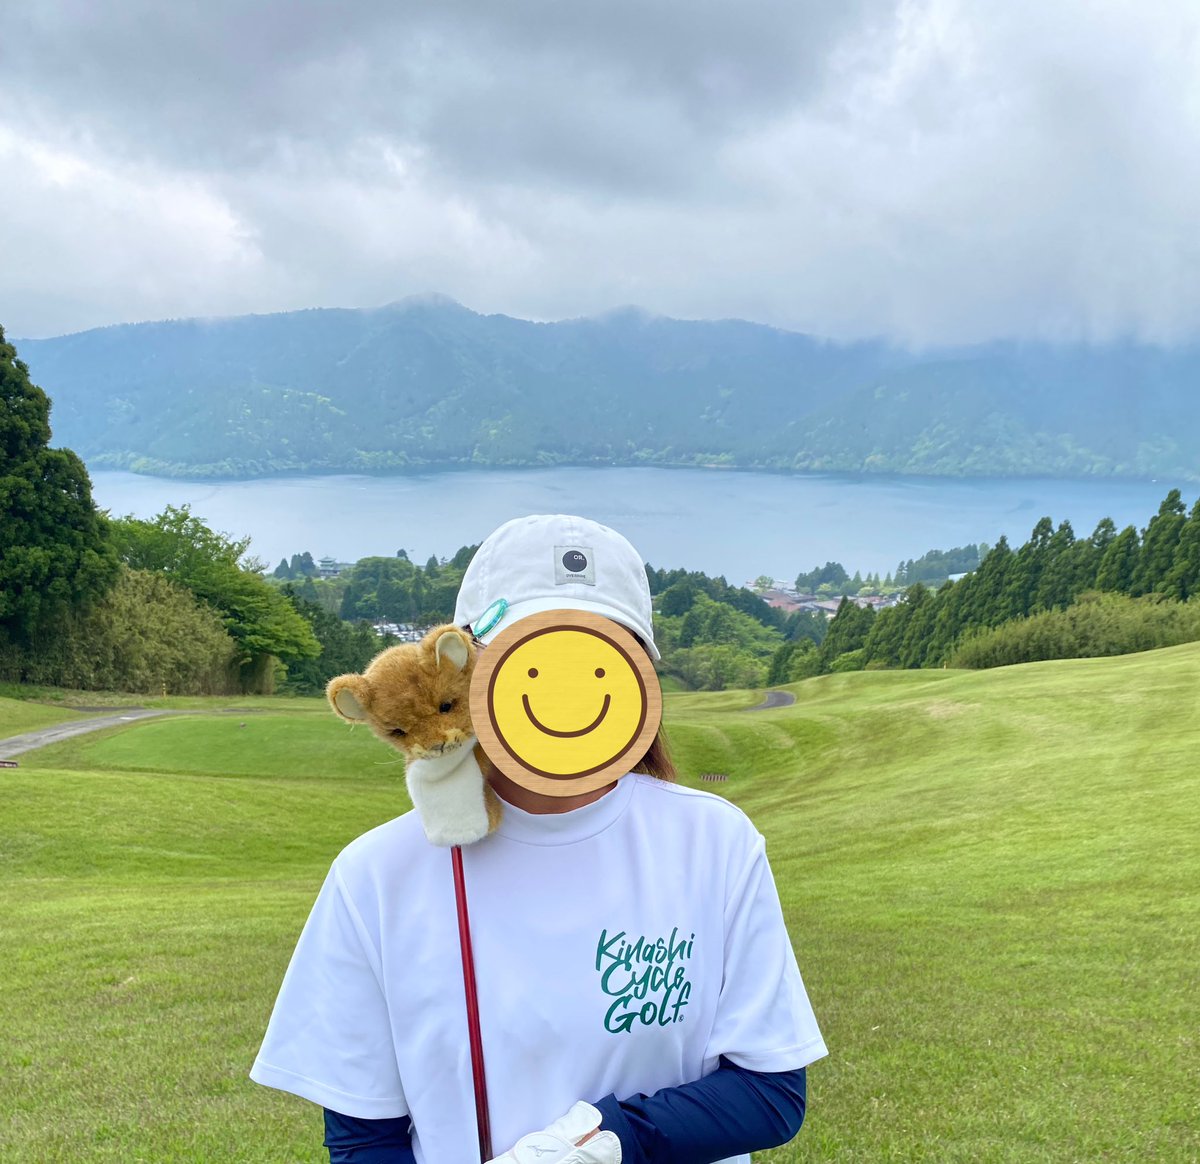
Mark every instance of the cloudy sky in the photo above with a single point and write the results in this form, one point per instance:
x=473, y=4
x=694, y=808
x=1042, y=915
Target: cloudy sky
x=931, y=171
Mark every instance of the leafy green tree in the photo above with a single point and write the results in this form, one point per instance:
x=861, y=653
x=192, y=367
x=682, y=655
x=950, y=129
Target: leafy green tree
x=1098, y=624
x=715, y=645
x=805, y=661
x=257, y=616
x=344, y=646
x=301, y=566
x=146, y=635
x=677, y=599
x=935, y=566
x=832, y=575
x=806, y=624
x=54, y=551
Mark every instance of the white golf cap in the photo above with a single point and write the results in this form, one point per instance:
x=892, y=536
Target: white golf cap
x=552, y=562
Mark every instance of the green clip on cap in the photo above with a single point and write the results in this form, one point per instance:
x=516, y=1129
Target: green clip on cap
x=490, y=617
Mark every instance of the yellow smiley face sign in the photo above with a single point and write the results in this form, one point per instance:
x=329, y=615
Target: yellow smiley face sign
x=565, y=702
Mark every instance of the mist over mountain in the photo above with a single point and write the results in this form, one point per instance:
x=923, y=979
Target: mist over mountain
x=426, y=383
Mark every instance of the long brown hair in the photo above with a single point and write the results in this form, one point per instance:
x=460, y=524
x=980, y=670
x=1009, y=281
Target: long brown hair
x=657, y=761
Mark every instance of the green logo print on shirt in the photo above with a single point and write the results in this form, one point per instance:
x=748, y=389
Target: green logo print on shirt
x=645, y=977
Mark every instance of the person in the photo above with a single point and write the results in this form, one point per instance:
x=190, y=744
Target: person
x=629, y=946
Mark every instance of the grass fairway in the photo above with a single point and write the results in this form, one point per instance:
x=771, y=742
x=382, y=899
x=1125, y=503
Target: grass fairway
x=17, y=717
x=991, y=879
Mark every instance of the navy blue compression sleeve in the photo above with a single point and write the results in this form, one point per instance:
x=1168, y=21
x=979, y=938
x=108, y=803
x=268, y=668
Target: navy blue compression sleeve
x=724, y=1114
x=351, y=1140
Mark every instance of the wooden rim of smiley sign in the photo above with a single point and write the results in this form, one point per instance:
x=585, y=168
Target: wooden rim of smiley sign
x=565, y=701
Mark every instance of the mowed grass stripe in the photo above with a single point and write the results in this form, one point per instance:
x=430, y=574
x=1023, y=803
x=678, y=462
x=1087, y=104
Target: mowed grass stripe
x=18, y=716
x=990, y=879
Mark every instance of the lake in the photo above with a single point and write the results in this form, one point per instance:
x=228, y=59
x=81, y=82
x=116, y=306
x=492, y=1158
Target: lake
x=740, y=524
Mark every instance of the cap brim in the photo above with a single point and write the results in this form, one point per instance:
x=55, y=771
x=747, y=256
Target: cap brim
x=519, y=610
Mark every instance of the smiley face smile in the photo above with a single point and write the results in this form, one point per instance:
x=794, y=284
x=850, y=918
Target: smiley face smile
x=537, y=723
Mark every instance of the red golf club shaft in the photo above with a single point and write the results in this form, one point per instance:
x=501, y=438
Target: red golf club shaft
x=482, y=1120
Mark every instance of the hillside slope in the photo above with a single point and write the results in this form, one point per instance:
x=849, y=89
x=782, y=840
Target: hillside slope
x=428, y=383
x=989, y=877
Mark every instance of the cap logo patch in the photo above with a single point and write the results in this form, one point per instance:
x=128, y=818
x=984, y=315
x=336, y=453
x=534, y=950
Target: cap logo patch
x=574, y=564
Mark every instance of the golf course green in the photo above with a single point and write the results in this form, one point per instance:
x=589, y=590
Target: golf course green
x=991, y=878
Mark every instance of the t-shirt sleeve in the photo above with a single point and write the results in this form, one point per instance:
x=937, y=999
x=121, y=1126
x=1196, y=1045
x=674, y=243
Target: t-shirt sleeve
x=329, y=1038
x=764, y=1021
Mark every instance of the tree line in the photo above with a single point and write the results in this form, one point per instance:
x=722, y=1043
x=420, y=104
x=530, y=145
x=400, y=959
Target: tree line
x=933, y=568
x=1051, y=572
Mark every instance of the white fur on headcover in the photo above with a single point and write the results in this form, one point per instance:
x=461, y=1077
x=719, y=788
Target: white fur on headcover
x=448, y=793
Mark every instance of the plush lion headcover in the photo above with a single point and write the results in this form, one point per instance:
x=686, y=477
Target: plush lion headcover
x=416, y=696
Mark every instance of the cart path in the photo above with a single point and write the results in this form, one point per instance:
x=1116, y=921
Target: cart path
x=12, y=746
x=773, y=699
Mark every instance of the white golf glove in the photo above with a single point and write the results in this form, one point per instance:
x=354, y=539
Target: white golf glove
x=559, y=1143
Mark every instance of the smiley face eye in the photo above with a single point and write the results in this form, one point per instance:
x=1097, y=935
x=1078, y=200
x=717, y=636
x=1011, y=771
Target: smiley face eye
x=397, y=732
x=446, y=706
x=533, y=672
x=599, y=672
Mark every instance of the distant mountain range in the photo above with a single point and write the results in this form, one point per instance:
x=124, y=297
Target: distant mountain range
x=427, y=383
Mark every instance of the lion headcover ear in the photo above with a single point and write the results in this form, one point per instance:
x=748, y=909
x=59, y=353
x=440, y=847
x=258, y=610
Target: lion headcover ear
x=451, y=645
x=349, y=695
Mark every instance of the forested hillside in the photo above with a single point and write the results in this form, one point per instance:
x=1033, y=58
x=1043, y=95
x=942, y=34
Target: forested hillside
x=428, y=383
x=1057, y=596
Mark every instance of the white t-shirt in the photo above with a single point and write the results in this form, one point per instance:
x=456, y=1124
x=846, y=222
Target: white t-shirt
x=621, y=947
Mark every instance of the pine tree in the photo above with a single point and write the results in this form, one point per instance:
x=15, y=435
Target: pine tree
x=1092, y=553
x=1061, y=567
x=882, y=644
x=1158, y=545
x=847, y=632
x=1183, y=581
x=919, y=601
x=54, y=550
x=947, y=622
x=986, y=603
x=1120, y=562
x=1019, y=593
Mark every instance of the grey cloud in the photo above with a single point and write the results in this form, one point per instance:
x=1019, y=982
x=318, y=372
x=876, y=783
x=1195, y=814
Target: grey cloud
x=930, y=170
x=500, y=90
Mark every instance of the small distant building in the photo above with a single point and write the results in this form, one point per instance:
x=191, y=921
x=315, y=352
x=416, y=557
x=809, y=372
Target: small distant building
x=782, y=600
x=328, y=568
